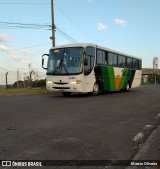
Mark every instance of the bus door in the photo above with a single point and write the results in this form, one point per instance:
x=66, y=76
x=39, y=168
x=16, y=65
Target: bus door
x=89, y=76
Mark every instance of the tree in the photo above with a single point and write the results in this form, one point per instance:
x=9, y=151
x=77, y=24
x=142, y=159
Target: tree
x=20, y=84
x=26, y=81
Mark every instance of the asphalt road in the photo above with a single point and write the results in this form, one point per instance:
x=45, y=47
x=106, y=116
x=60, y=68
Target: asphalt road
x=79, y=127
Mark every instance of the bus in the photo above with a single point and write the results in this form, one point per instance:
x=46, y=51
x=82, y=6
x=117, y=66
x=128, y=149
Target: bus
x=89, y=68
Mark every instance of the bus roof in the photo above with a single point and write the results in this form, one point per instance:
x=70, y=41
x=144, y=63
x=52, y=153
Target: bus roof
x=97, y=46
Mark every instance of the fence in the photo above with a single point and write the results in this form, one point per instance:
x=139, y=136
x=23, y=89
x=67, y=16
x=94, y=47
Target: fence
x=151, y=79
x=17, y=79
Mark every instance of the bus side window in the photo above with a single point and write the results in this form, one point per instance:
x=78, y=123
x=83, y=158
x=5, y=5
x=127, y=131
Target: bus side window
x=101, y=57
x=129, y=62
x=115, y=59
x=90, y=55
x=135, y=64
x=140, y=64
x=121, y=61
x=110, y=59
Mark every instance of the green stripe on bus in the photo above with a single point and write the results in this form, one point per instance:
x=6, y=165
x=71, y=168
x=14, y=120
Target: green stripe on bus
x=111, y=78
x=105, y=75
x=108, y=78
x=131, y=76
x=124, y=79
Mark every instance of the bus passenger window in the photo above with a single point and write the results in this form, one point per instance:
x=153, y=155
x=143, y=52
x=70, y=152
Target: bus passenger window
x=121, y=61
x=110, y=59
x=90, y=55
x=129, y=62
x=135, y=64
x=140, y=64
x=115, y=59
x=101, y=57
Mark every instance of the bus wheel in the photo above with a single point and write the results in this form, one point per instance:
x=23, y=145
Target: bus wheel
x=95, y=89
x=127, y=88
x=66, y=93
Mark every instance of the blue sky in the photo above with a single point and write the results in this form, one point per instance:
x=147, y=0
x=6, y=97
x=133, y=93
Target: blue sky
x=130, y=26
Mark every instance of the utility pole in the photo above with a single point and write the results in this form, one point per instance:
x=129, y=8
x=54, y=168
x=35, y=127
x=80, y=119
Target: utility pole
x=29, y=66
x=53, y=32
x=17, y=77
x=6, y=80
x=30, y=79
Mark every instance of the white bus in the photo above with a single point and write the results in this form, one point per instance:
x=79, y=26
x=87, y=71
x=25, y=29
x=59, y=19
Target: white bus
x=90, y=68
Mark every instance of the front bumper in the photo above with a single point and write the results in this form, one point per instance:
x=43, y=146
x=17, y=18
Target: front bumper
x=65, y=87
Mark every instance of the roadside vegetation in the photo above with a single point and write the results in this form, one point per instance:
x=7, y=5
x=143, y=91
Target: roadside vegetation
x=23, y=91
x=22, y=88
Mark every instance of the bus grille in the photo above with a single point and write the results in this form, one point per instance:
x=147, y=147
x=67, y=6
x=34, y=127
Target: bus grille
x=60, y=83
x=61, y=87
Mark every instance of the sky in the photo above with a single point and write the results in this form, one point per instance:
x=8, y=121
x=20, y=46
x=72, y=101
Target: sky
x=129, y=26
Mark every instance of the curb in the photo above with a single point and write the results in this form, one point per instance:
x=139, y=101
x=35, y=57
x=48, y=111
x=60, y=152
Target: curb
x=146, y=143
x=144, y=133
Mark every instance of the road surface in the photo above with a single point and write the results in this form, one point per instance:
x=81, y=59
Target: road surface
x=79, y=127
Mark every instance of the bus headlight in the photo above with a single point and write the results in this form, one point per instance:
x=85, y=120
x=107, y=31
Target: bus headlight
x=49, y=82
x=75, y=82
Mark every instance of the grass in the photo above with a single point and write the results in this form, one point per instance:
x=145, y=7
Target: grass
x=22, y=92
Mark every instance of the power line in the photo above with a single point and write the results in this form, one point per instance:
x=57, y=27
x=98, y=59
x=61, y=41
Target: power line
x=24, y=25
x=28, y=3
x=18, y=23
x=10, y=25
x=35, y=26
x=21, y=27
x=66, y=36
x=32, y=46
x=77, y=25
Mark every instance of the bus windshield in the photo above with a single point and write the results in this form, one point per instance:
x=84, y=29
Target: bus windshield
x=65, y=61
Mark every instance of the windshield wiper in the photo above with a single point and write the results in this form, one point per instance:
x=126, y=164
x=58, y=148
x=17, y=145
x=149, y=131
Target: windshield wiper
x=61, y=62
x=60, y=66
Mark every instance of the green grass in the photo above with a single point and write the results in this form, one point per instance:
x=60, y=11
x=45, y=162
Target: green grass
x=22, y=92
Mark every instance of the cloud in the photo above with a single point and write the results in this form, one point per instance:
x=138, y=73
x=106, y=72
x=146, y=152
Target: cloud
x=1, y=67
x=3, y=38
x=120, y=22
x=21, y=60
x=25, y=52
x=5, y=48
x=101, y=26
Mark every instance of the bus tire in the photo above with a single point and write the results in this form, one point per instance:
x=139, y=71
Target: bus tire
x=95, y=89
x=127, y=89
x=66, y=93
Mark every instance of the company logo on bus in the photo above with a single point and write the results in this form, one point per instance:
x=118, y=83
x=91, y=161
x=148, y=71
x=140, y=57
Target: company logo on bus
x=71, y=77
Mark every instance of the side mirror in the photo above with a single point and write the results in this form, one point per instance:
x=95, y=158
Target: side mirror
x=43, y=60
x=85, y=61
